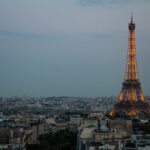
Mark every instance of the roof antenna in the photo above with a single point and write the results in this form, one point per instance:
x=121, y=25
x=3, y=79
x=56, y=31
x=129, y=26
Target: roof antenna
x=131, y=16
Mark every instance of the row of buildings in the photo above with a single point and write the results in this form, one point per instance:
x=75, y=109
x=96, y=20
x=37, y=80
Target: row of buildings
x=94, y=132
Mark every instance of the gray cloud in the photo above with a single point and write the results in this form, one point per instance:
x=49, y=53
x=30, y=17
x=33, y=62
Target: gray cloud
x=58, y=47
x=108, y=2
x=19, y=34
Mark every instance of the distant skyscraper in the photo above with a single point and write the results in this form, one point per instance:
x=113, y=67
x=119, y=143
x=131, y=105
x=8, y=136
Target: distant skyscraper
x=131, y=100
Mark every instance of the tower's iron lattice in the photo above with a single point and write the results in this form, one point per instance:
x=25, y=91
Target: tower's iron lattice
x=131, y=99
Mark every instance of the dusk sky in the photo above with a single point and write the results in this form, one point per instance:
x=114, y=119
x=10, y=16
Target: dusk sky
x=70, y=47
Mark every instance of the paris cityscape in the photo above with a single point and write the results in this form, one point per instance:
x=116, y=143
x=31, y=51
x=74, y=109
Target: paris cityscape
x=81, y=94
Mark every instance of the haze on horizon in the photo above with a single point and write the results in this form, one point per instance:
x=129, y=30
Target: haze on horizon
x=70, y=47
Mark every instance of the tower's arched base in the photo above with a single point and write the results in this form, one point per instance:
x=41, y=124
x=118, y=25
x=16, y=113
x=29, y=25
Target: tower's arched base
x=128, y=109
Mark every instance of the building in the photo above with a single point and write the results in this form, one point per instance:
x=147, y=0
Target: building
x=103, y=134
x=15, y=137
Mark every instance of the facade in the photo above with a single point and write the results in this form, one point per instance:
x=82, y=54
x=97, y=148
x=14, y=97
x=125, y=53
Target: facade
x=90, y=121
x=75, y=119
x=15, y=138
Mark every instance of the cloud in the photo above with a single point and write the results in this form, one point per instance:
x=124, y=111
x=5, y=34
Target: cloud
x=19, y=34
x=100, y=2
x=109, y=2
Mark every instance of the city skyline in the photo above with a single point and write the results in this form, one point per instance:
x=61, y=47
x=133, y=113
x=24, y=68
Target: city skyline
x=70, y=48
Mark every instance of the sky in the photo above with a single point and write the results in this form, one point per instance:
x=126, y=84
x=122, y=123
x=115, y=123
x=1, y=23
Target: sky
x=70, y=47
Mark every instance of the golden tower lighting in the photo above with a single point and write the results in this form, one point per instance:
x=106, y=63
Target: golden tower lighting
x=131, y=100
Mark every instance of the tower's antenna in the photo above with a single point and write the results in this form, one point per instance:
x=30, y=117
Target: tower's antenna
x=131, y=16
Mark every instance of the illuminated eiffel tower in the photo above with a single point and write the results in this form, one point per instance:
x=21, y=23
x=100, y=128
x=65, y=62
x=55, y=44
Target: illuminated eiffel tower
x=131, y=100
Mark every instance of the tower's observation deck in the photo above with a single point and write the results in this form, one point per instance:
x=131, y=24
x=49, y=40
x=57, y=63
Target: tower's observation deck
x=131, y=99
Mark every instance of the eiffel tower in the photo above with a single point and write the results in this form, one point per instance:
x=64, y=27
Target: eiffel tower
x=131, y=100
